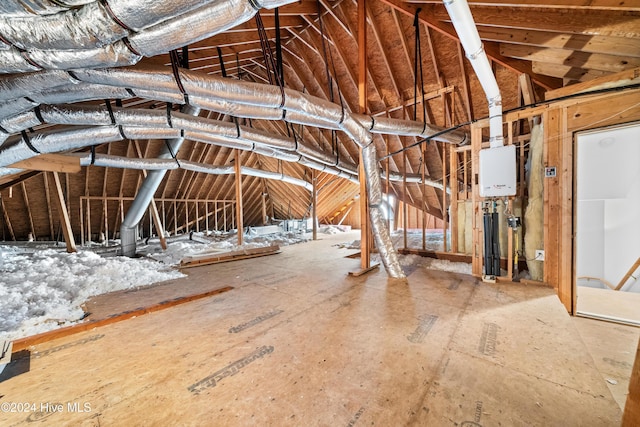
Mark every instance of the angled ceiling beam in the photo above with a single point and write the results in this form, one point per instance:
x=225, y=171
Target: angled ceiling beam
x=558, y=4
x=492, y=49
x=619, y=46
x=604, y=23
x=597, y=61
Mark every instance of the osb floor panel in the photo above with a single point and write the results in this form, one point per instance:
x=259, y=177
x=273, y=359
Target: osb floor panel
x=299, y=343
x=606, y=302
x=613, y=348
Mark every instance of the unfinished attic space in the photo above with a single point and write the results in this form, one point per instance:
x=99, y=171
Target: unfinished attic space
x=319, y=213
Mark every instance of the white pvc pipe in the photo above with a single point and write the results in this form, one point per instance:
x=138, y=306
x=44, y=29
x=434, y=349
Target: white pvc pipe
x=465, y=26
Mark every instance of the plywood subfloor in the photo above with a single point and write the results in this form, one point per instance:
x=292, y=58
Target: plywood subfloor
x=613, y=348
x=298, y=342
x=608, y=303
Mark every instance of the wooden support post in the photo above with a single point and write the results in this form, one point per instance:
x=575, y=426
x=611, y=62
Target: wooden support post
x=365, y=258
x=453, y=200
x=175, y=218
x=264, y=208
x=26, y=202
x=445, y=219
x=365, y=244
x=240, y=226
x=314, y=204
x=48, y=196
x=81, y=222
x=64, y=216
x=7, y=220
x=206, y=216
x=89, y=221
x=405, y=213
x=424, y=193
x=388, y=182
x=476, y=219
x=631, y=416
x=197, y=218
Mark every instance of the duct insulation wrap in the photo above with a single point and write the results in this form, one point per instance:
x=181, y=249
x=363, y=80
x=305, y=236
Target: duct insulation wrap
x=192, y=27
x=128, y=228
x=465, y=26
x=25, y=84
x=113, y=55
x=57, y=141
x=38, y=7
x=87, y=27
x=105, y=160
x=391, y=126
x=388, y=254
x=242, y=99
x=155, y=11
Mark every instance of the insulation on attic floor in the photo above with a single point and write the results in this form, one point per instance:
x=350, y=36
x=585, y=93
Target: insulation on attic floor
x=298, y=342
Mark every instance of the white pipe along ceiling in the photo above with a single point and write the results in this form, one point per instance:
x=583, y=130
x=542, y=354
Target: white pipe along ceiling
x=67, y=51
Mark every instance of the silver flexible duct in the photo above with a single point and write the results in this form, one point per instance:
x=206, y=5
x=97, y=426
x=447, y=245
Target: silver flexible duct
x=160, y=85
x=120, y=162
x=38, y=7
x=128, y=228
x=96, y=35
x=265, y=96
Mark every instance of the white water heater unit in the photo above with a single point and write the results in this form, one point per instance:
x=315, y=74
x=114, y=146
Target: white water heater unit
x=497, y=177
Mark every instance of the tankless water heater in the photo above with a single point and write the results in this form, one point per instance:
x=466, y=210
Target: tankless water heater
x=497, y=177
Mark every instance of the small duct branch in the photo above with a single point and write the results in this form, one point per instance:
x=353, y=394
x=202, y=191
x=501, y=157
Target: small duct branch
x=128, y=228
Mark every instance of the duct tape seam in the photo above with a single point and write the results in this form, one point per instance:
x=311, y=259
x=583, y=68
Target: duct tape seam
x=127, y=43
x=110, y=111
x=39, y=114
x=121, y=131
x=27, y=141
x=113, y=16
x=169, y=107
x=26, y=57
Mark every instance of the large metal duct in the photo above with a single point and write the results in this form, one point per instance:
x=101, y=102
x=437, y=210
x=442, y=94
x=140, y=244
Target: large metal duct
x=159, y=84
x=120, y=162
x=271, y=97
x=113, y=33
x=128, y=228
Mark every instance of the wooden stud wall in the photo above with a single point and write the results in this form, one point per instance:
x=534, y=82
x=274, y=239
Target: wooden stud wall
x=561, y=120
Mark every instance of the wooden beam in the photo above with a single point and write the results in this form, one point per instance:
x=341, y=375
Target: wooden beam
x=64, y=216
x=7, y=221
x=567, y=73
x=620, y=46
x=25, y=343
x=624, y=78
x=557, y=4
x=208, y=258
x=629, y=273
x=604, y=23
x=365, y=244
x=492, y=50
x=239, y=214
x=26, y=202
x=631, y=416
x=570, y=58
x=314, y=203
x=48, y=199
x=51, y=163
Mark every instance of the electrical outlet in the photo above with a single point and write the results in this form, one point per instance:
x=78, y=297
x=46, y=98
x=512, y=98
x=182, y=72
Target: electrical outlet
x=539, y=255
